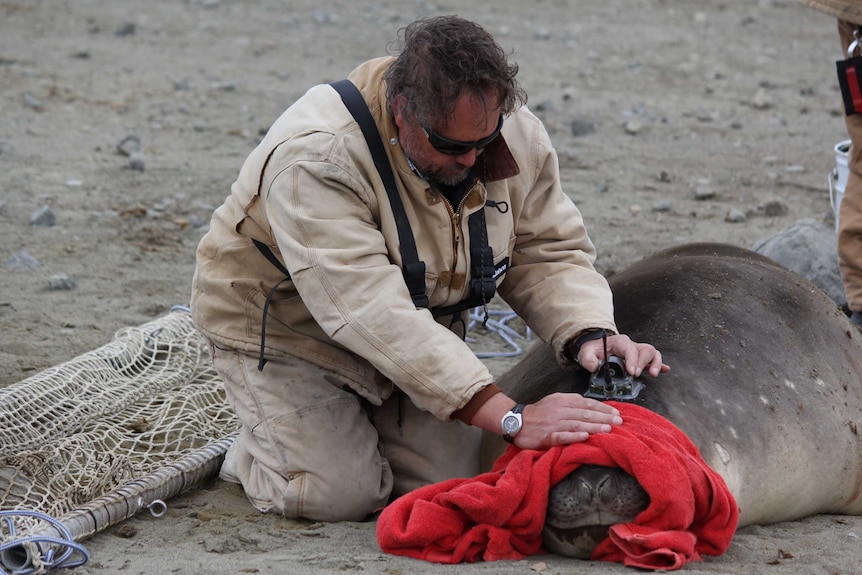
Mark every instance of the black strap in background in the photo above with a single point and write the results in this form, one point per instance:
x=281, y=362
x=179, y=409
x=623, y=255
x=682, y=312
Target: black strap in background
x=411, y=266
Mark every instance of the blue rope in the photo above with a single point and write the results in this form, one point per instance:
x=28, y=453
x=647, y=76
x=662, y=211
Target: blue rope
x=501, y=330
x=66, y=542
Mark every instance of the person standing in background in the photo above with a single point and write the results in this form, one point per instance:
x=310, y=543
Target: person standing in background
x=849, y=15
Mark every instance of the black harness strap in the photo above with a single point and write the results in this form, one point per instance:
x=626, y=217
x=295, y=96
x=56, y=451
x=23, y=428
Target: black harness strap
x=411, y=266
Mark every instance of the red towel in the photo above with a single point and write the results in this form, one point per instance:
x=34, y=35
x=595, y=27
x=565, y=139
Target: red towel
x=500, y=514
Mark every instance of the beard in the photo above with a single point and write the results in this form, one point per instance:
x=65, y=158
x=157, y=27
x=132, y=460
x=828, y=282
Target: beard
x=447, y=177
x=450, y=174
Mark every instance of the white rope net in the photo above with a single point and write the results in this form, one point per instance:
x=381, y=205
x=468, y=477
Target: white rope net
x=94, y=440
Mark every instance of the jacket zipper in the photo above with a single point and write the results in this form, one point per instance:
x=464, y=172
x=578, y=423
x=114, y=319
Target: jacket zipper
x=456, y=218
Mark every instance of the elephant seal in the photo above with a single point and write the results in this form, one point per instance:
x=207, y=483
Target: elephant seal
x=766, y=380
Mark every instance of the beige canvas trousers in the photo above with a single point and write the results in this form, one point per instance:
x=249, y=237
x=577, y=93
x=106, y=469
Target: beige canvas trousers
x=850, y=213
x=309, y=447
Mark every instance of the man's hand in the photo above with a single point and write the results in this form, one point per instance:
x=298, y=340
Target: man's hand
x=558, y=419
x=638, y=356
x=563, y=418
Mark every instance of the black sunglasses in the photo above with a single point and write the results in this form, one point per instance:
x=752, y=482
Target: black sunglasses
x=456, y=147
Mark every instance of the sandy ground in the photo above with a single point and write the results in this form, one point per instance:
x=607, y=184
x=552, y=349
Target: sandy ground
x=675, y=121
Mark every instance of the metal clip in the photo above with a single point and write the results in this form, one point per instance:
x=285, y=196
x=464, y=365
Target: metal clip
x=611, y=381
x=855, y=44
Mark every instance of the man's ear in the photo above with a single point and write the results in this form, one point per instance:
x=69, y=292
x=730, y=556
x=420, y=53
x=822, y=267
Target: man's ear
x=398, y=105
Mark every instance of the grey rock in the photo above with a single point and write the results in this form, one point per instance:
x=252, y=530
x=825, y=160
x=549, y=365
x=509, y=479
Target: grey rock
x=735, y=216
x=321, y=17
x=137, y=161
x=22, y=259
x=762, y=100
x=633, y=127
x=581, y=127
x=125, y=29
x=702, y=190
x=663, y=205
x=129, y=144
x=545, y=106
x=773, y=208
x=61, y=282
x=44, y=216
x=809, y=248
x=32, y=102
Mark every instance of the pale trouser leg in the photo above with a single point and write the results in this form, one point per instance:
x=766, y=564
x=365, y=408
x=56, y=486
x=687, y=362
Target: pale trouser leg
x=425, y=449
x=307, y=447
x=850, y=215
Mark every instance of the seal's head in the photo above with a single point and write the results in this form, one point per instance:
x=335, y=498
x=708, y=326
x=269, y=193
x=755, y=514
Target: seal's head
x=585, y=504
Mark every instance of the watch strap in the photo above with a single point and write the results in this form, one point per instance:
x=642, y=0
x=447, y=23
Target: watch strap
x=518, y=409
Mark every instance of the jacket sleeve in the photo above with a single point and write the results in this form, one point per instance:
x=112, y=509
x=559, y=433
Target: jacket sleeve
x=552, y=283
x=324, y=220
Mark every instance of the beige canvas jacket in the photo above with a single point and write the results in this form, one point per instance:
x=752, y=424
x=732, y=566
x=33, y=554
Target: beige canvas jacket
x=310, y=190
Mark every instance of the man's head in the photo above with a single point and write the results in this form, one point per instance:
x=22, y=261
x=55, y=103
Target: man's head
x=448, y=90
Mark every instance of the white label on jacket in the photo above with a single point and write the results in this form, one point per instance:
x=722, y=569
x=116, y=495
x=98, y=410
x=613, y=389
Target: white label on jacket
x=501, y=268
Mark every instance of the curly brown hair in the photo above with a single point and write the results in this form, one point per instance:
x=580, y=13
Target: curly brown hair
x=440, y=58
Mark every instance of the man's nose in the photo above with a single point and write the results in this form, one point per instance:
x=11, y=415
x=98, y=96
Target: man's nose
x=467, y=159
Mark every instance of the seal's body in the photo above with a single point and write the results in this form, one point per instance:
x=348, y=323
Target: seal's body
x=766, y=376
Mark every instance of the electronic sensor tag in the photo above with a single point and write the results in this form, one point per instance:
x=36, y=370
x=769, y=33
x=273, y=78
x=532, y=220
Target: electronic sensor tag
x=611, y=381
x=850, y=80
x=850, y=76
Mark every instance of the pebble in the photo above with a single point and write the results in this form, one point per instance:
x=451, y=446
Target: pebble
x=213, y=544
x=581, y=127
x=33, y=102
x=761, y=100
x=128, y=145
x=774, y=208
x=546, y=105
x=44, y=216
x=321, y=17
x=702, y=190
x=137, y=161
x=125, y=29
x=22, y=259
x=61, y=282
x=735, y=216
x=663, y=205
x=633, y=127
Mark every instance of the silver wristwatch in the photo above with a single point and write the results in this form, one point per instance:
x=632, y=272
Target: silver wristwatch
x=512, y=422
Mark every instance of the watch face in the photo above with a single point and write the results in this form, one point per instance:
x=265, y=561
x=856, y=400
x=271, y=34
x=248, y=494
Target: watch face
x=511, y=423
